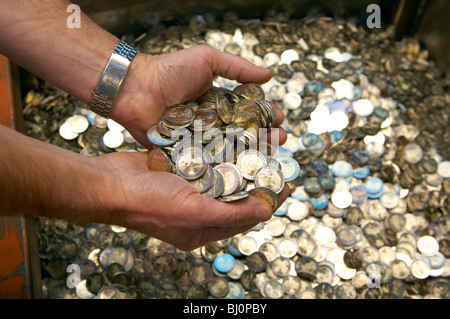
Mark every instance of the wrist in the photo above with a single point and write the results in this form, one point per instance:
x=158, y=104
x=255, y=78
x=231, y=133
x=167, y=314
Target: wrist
x=103, y=196
x=133, y=93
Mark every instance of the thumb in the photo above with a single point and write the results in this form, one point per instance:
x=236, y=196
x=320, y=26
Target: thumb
x=236, y=68
x=216, y=213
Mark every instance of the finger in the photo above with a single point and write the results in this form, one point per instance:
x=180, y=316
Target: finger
x=236, y=68
x=248, y=211
x=285, y=192
x=140, y=135
x=279, y=113
x=275, y=137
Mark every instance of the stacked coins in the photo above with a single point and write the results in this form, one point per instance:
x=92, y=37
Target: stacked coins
x=215, y=143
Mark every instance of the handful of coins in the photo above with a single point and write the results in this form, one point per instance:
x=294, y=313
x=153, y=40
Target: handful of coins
x=216, y=144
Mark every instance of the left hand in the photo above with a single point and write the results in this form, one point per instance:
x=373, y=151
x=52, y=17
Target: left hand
x=156, y=82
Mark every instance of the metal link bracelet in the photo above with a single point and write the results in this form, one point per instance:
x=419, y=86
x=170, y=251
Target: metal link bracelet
x=112, y=78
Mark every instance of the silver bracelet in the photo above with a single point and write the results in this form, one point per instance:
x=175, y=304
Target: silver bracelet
x=112, y=78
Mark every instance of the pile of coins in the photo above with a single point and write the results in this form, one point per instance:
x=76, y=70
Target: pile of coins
x=367, y=160
x=82, y=131
x=214, y=143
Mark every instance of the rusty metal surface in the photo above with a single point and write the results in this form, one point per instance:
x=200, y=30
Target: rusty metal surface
x=19, y=261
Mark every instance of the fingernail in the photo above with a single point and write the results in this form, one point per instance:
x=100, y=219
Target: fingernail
x=263, y=212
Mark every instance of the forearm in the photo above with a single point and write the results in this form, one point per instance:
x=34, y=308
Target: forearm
x=41, y=179
x=34, y=34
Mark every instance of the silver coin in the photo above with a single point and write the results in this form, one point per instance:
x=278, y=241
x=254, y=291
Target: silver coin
x=190, y=164
x=249, y=162
x=270, y=177
x=234, y=197
x=217, y=186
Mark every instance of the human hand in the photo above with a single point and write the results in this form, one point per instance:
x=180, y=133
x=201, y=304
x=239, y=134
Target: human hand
x=155, y=82
x=167, y=207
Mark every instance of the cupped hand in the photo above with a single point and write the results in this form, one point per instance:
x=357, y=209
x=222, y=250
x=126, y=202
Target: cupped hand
x=167, y=207
x=156, y=82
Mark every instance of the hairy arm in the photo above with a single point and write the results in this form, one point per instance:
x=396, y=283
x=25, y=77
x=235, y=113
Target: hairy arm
x=41, y=179
x=35, y=36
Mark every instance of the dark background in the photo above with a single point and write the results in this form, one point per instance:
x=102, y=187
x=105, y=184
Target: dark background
x=425, y=19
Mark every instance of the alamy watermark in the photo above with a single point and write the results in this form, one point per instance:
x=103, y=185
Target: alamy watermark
x=74, y=19
x=374, y=19
x=373, y=276
x=74, y=277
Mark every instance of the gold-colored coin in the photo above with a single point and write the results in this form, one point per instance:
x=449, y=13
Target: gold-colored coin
x=268, y=111
x=159, y=161
x=252, y=107
x=207, y=106
x=205, y=119
x=251, y=91
x=211, y=95
x=267, y=194
x=225, y=109
x=247, y=120
x=163, y=129
x=177, y=116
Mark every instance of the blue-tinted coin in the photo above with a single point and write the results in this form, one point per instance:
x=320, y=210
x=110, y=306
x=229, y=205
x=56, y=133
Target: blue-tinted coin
x=336, y=136
x=312, y=185
x=359, y=194
x=282, y=210
x=374, y=195
x=157, y=139
x=314, y=86
x=319, y=166
x=380, y=112
x=289, y=167
x=283, y=152
x=236, y=291
x=361, y=172
x=346, y=56
x=319, y=212
x=318, y=146
x=224, y=262
x=308, y=104
x=373, y=185
x=103, y=147
x=310, y=139
x=437, y=261
x=350, y=178
x=91, y=117
x=319, y=202
x=361, y=156
x=300, y=194
x=357, y=93
x=327, y=182
x=233, y=251
x=335, y=106
x=286, y=126
x=342, y=169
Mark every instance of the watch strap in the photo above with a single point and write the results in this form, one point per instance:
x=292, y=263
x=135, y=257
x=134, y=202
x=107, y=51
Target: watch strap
x=112, y=78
